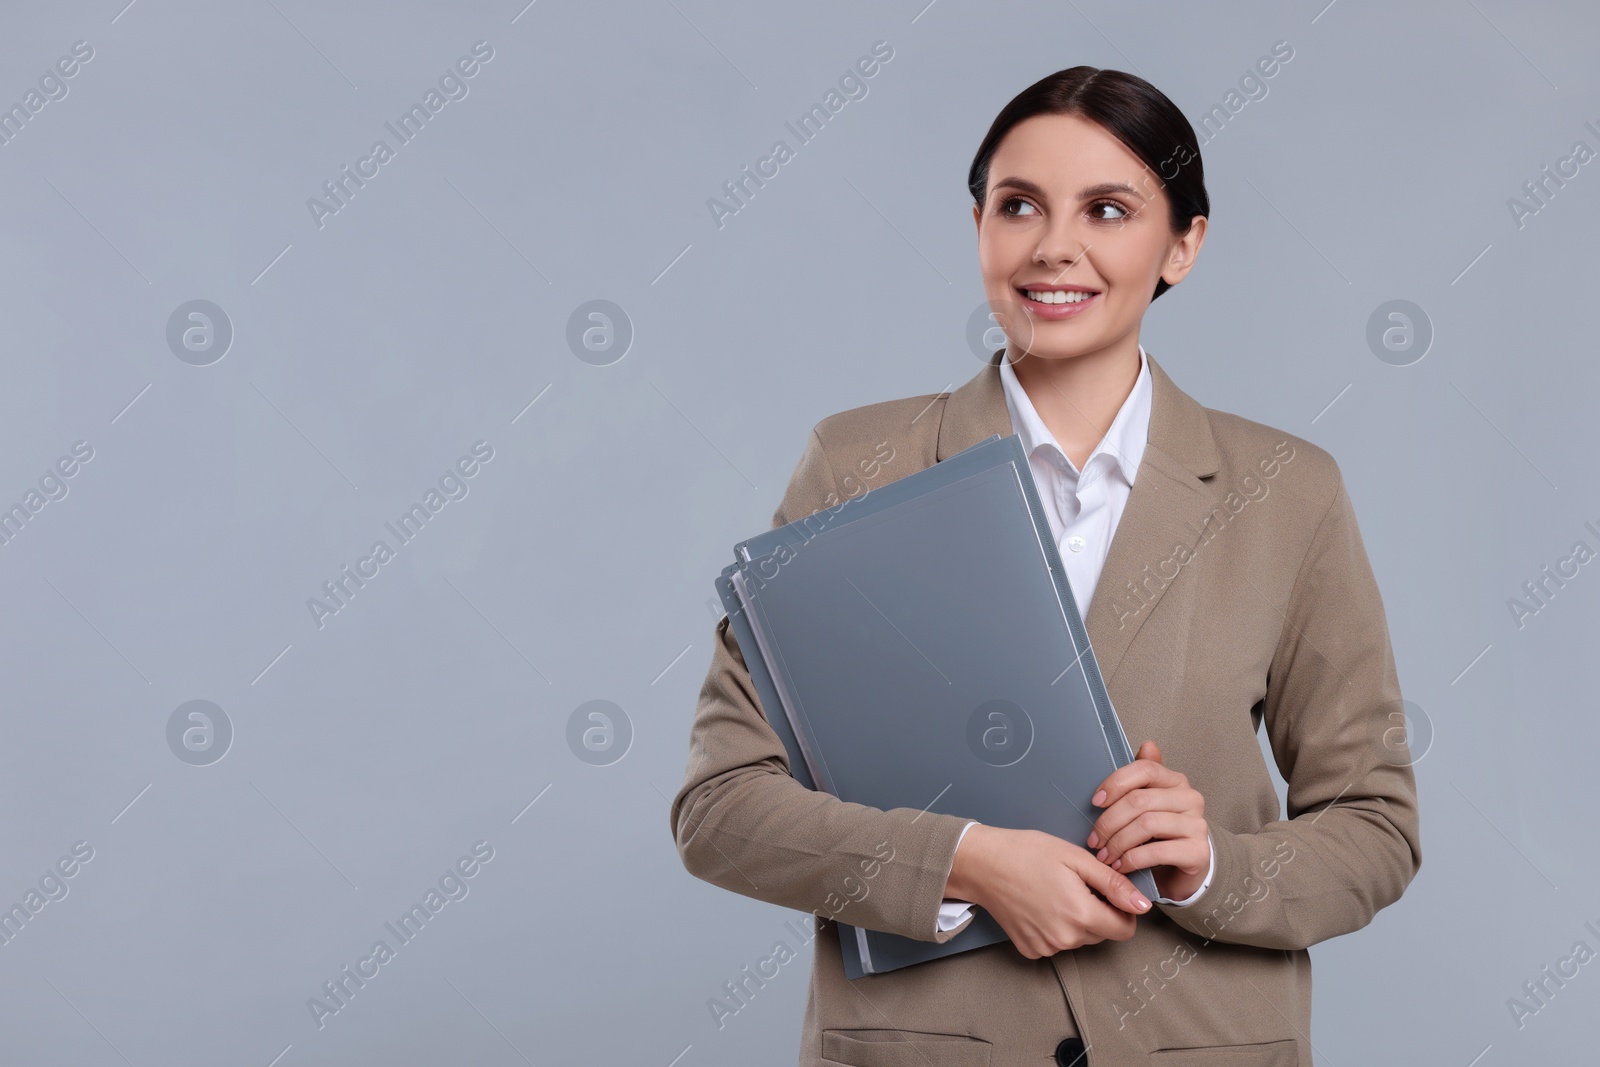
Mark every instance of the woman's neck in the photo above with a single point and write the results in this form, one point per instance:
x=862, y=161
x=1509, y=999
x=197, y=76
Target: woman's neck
x=1078, y=396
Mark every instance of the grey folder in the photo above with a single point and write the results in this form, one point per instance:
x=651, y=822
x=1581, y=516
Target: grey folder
x=919, y=646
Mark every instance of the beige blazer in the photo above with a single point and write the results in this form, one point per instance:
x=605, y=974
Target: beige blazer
x=1236, y=596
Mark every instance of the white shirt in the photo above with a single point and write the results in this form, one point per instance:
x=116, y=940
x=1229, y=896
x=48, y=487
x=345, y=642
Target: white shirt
x=1083, y=508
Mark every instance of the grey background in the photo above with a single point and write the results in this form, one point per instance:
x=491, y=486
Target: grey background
x=432, y=312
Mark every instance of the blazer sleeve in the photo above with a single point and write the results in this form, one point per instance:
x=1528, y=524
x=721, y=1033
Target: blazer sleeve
x=1334, y=718
x=742, y=822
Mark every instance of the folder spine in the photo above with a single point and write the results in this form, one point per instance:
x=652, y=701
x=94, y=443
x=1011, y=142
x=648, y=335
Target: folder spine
x=788, y=705
x=767, y=697
x=1110, y=724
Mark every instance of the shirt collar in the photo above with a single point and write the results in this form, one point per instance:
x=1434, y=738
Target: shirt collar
x=1124, y=441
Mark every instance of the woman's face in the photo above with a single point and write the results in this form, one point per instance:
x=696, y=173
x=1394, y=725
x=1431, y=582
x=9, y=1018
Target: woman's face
x=1075, y=218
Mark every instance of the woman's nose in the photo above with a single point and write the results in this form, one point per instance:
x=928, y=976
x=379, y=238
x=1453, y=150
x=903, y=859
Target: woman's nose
x=1060, y=245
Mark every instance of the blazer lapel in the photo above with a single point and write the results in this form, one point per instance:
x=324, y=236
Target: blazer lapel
x=1166, y=509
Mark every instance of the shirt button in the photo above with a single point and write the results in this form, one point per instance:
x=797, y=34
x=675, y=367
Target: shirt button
x=1076, y=543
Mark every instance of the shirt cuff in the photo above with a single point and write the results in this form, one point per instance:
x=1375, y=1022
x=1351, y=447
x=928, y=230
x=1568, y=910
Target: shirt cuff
x=953, y=912
x=1210, y=870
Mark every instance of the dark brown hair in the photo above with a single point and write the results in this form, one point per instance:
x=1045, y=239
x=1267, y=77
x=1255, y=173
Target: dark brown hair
x=1131, y=110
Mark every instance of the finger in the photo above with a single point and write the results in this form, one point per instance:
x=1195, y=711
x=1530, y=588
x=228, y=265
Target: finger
x=1148, y=751
x=1139, y=774
x=1105, y=923
x=1175, y=852
x=1151, y=826
x=1108, y=883
x=1116, y=817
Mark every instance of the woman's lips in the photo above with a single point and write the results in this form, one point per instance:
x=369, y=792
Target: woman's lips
x=1055, y=311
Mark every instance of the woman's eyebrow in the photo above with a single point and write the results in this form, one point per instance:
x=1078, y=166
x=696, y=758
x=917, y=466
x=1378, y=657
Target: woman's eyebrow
x=1102, y=189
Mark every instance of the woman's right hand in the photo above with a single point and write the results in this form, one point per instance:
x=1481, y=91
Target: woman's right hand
x=1037, y=887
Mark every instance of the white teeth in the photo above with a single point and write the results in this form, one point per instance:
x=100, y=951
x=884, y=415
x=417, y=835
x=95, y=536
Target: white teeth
x=1058, y=296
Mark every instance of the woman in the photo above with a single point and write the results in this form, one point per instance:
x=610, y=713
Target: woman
x=1236, y=594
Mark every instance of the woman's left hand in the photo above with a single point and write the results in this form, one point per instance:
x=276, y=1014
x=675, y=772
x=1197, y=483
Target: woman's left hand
x=1152, y=817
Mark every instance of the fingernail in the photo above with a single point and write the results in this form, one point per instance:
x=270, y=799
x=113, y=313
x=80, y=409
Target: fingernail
x=1094, y=839
x=1116, y=864
x=1101, y=855
x=1098, y=799
x=1141, y=903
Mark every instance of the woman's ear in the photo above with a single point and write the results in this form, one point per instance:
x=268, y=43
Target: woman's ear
x=1181, y=257
x=977, y=216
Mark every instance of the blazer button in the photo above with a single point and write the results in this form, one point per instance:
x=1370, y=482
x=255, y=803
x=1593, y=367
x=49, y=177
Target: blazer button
x=1070, y=1052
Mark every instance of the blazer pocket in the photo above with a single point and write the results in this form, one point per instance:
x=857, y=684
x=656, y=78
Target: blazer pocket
x=903, y=1048
x=1284, y=1053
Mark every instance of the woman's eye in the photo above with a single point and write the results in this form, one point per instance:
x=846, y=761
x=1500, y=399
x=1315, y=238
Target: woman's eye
x=1112, y=204
x=1005, y=206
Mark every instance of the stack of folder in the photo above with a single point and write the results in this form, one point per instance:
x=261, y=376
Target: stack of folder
x=919, y=646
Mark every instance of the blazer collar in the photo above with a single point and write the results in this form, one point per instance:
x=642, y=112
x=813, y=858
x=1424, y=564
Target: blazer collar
x=1166, y=509
x=1178, y=424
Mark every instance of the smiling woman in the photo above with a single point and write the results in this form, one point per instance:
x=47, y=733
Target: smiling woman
x=1089, y=202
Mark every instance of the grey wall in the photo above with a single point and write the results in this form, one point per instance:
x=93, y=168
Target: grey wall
x=363, y=754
